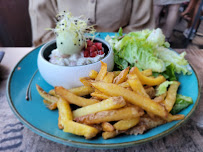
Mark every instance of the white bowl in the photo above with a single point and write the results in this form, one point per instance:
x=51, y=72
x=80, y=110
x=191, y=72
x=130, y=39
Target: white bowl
x=68, y=76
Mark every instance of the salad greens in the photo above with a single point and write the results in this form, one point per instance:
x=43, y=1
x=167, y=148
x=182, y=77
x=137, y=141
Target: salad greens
x=170, y=72
x=181, y=103
x=147, y=49
x=162, y=88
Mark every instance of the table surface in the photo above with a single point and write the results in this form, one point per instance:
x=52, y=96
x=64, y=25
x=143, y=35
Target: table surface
x=15, y=137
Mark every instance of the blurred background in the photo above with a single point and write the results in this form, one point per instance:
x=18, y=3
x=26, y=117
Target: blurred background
x=15, y=26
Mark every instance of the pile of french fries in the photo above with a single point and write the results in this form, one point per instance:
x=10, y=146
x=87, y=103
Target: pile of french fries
x=118, y=102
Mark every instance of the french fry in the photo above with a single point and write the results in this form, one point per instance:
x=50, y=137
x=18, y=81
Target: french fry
x=106, y=126
x=102, y=72
x=137, y=87
x=95, y=98
x=52, y=92
x=53, y=106
x=122, y=76
x=82, y=91
x=99, y=95
x=50, y=105
x=65, y=112
x=109, y=77
x=108, y=104
x=126, y=124
x=150, y=81
x=79, y=91
x=160, y=98
x=59, y=123
x=97, y=91
x=116, y=73
x=110, y=115
x=47, y=103
x=80, y=129
x=93, y=74
x=131, y=76
x=74, y=99
x=147, y=72
x=174, y=117
x=86, y=81
x=112, y=134
x=151, y=76
x=130, y=96
x=45, y=95
x=124, y=84
x=171, y=96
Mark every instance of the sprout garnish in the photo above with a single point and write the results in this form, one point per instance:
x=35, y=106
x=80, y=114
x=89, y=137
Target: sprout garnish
x=71, y=33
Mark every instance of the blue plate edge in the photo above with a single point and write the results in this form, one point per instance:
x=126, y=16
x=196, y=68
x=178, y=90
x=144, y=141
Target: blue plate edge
x=92, y=145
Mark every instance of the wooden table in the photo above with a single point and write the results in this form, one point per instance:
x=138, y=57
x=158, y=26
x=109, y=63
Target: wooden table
x=15, y=137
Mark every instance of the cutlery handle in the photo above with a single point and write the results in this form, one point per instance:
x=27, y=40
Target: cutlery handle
x=1, y=55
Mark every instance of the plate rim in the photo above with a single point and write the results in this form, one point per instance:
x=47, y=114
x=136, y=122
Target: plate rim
x=95, y=145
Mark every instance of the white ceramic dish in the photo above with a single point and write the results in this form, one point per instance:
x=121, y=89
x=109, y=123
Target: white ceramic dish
x=68, y=76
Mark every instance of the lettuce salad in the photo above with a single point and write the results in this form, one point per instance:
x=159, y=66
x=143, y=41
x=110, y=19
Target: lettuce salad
x=147, y=49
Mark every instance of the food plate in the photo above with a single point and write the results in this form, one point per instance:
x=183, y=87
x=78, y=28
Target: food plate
x=44, y=122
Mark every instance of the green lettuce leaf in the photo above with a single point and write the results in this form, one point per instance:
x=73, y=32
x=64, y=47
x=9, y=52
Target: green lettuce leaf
x=171, y=57
x=138, y=53
x=147, y=49
x=162, y=88
x=120, y=63
x=120, y=32
x=170, y=73
x=166, y=44
x=111, y=41
x=156, y=37
x=181, y=103
x=142, y=35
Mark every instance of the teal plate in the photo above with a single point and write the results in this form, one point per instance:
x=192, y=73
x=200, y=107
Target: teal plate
x=44, y=122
